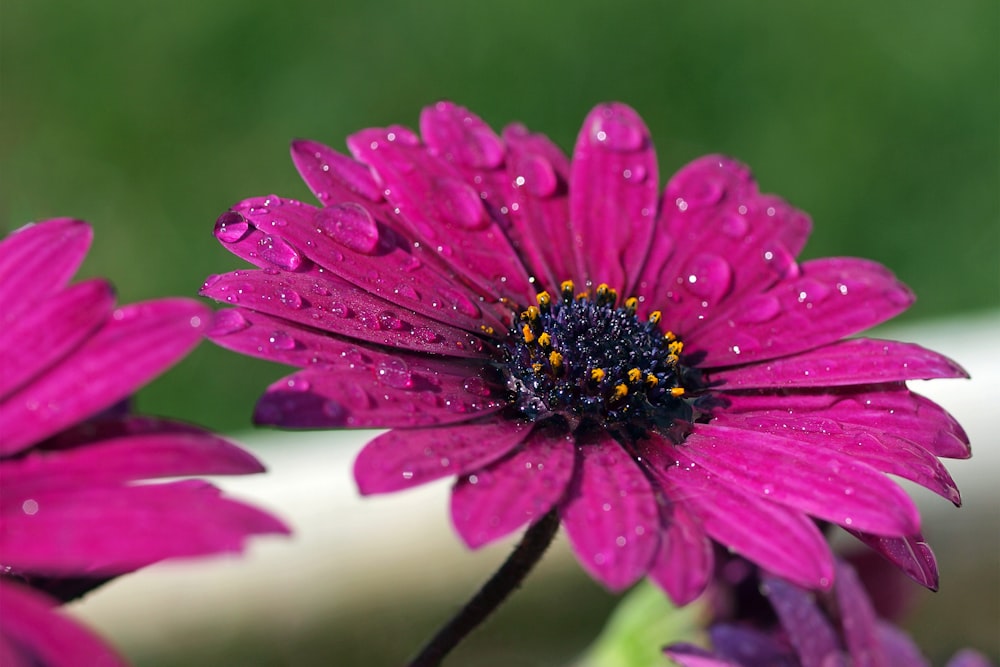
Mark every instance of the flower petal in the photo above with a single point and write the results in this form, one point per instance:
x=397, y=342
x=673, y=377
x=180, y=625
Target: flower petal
x=380, y=392
x=332, y=176
x=49, y=331
x=111, y=529
x=900, y=649
x=404, y=458
x=37, y=260
x=777, y=538
x=689, y=655
x=138, y=343
x=848, y=362
x=340, y=308
x=831, y=298
x=809, y=632
x=611, y=515
x=500, y=498
x=444, y=212
x=35, y=633
x=751, y=648
x=684, y=561
x=815, y=480
x=887, y=408
x=910, y=553
x=613, y=195
x=858, y=622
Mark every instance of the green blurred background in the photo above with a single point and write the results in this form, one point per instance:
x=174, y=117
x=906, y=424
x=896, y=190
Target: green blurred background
x=882, y=120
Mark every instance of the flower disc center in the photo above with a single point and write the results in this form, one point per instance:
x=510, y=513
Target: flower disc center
x=584, y=356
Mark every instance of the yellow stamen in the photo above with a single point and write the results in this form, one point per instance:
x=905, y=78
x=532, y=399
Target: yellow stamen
x=603, y=289
x=677, y=391
x=634, y=374
x=545, y=339
x=528, y=335
x=651, y=380
x=486, y=330
x=531, y=313
x=566, y=286
x=543, y=298
x=621, y=390
x=675, y=347
x=631, y=303
x=537, y=367
x=582, y=295
x=555, y=359
x=597, y=374
x=670, y=336
x=672, y=359
x=655, y=316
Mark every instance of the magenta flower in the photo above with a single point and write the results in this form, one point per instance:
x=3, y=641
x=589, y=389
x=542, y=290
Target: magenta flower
x=71, y=513
x=837, y=629
x=559, y=334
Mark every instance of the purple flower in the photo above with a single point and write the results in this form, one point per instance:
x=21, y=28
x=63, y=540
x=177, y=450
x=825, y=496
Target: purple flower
x=71, y=513
x=558, y=333
x=837, y=629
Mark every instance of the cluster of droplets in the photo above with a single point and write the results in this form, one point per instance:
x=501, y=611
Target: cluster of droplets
x=587, y=358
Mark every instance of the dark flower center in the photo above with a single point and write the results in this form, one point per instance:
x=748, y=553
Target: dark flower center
x=586, y=358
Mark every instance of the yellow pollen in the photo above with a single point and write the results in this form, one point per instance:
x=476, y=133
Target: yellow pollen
x=531, y=313
x=651, y=380
x=672, y=359
x=670, y=336
x=582, y=295
x=486, y=329
x=655, y=316
x=537, y=367
x=566, y=286
x=543, y=298
x=677, y=391
x=631, y=303
x=621, y=390
x=597, y=374
x=634, y=374
x=555, y=359
x=603, y=289
x=545, y=339
x=528, y=335
x=675, y=347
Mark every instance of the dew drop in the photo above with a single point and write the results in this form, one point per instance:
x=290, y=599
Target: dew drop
x=389, y=320
x=734, y=226
x=616, y=130
x=334, y=410
x=459, y=301
x=279, y=252
x=349, y=224
x=459, y=204
x=231, y=227
x=408, y=291
x=761, y=308
x=537, y=176
x=228, y=322
x=340, y=309
x=280, y=340
x=297, y=384
x=476, y=385
x=394, y=372
x=290, y=298
x=708, y=276
x=356, y=397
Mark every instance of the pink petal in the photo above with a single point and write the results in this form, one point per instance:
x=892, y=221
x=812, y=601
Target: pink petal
x=519, y=489
x=830, y=299
x=684, y=561
x=611, y=515
x=127, y=458
x=888, y=408
x=455, y=134
x=101, y=530
x=404, y=458
x=718, y=241
x=49, y=331
x=812, y=479
x=848, y=362
x=777, y=538
x=38, y=260
x=339, y=308
x=332, y=176
x=689, y=655
x=809, y=632
x=540, y=209
x=379, y=392
x=884, y=452
x=858, y=622
x=748, y=647
x=911, y=554
x=35, y=633
x=613, y=195
x=138, y=343
x=444, y=212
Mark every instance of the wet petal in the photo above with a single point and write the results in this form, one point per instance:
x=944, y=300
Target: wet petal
x=777, y=538
x=611, y=515
x=138, y=343
x=819, y=481
x=38, y=260
x=858, y=622
x=34, y=632
x=613, y=195
x=849, y=362
x=504, y=496
x=339, y=308
x=383, y=391
x=333, y=176
x=829, y=299
x=111, y=529
x=404, y=458
x=50, y=330
x=684, y=561
x=444, y=212
x=910, y=553
x=809, y=632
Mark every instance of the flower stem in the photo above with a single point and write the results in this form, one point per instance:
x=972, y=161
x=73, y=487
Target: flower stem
x=503, y=582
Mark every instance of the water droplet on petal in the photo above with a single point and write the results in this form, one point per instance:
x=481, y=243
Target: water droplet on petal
x=476, y=385
x=340, y=309
x=280, y=340
x=389, y=320
x=761, y=308
x=356, y=397
x=459, y=204
x=734, y=226
x=708, y=276
x=334, y=410
x=290, y=298
x=228, y=322
x=297, y=384
x=537, y=176
x=394, y=372
x=279, y=252
x=459, y=301
x=635, y=174
x=811, y=291
x=349, y=224
x=407, y=290
x=617, y=130
x=231, y=227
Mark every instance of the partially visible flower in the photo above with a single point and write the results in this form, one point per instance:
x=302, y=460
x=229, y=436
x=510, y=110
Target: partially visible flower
x=807, y=629
x=72, y=511
x=559, y=335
